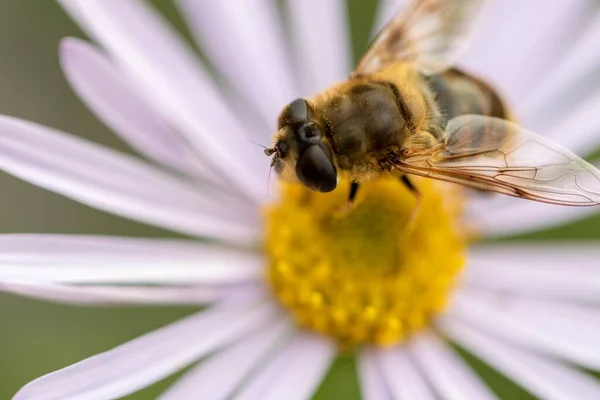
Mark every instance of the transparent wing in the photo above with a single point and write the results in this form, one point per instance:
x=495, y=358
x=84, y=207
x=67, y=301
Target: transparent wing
x=430, y=33
x=493, y=154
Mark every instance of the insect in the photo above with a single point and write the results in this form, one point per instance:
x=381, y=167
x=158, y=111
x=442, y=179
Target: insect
x=405, y=110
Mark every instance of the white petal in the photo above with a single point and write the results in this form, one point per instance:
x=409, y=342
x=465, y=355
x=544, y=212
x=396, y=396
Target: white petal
x=102, y=295
x=111, y=96
x=544, y=377
x=81, y=259
x=372, y=384
x=323, y=53
x=246, y=45
x=560, y=271
x=119, y=184
x=452, y=378
x=565, y=330
x=151, y=357
x=403, y=376
x=218, y=377
x=294, y=373
x=171, y=79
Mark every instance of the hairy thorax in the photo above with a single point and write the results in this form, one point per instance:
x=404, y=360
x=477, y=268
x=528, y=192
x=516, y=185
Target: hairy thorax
x=364, y=122
x=369, y=118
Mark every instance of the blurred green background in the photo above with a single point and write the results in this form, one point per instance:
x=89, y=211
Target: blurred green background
x=36, y=338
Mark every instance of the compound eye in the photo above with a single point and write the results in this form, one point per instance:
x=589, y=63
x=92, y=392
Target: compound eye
x=315, y=169
x=309, y=133
x=297, y=111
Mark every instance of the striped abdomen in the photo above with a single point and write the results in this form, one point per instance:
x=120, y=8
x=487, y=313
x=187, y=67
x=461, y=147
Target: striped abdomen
x=457, y=93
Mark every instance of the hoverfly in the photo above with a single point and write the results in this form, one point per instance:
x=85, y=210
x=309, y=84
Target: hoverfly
x=406, y=110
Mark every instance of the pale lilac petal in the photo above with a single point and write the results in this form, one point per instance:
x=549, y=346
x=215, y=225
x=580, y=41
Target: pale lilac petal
x=109, y=94
x=565, y=330
x=211, y=270
x=402, y=375
x=519, y=216
x=554, y=33
x=386, y=11
x=544, y=377
x=565, y=107
x=320, y=36
x=218, y=377
x=148, y=49
x=372, y=384
x=569, y=97
x=119, y=295
x=81, y=259
x=149, y=358
x=261, y=380
x=452, y=378
x=120, y=184
x=544, y=270
x=489, y=31
x=215, y=271
x=294, y=373
x=481, y=203
x=515, y=60
x=246, y=44
x=578, y=130
x=57, y=249
x=571, y=80
x=74, y=11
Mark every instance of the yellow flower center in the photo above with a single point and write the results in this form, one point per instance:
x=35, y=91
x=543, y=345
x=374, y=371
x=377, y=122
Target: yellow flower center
x=374, y=273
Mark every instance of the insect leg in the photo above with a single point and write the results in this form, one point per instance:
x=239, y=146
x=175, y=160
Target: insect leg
x=351, y=197
x=353, y=190
x=415, y=191
x=410, y=186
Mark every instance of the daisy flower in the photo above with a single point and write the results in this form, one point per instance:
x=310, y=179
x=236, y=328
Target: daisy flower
x=288, y=283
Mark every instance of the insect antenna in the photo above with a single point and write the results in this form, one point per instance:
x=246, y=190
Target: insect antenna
x=268, y=150
x=258, y=144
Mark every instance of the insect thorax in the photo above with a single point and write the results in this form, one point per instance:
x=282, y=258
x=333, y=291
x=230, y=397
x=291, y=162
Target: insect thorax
x=364, y=120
